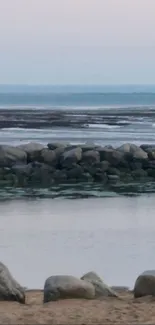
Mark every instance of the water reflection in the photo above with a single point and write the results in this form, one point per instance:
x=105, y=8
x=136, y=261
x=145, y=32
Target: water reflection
x=113, y=236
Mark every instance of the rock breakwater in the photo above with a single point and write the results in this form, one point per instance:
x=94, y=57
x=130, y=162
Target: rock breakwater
x=33, y=165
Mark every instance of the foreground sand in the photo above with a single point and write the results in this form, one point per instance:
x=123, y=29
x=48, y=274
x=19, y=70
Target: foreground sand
x=126, y=310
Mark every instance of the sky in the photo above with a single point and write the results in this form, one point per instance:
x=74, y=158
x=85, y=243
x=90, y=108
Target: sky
x=77, y=42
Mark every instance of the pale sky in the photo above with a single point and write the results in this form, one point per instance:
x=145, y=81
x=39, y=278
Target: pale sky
x=77, y=41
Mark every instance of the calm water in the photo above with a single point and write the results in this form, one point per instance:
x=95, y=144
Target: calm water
x=113, y=236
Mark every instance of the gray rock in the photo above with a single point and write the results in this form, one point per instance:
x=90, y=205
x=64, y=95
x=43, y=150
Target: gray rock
x=114, y=157
x=48, y=156
x=151, y=154
x=148, y=164
x=91, y=156
x=60, y=175
x=108, y=147
x=31, y=147
x=53, y=146
x=136, y=165
x=149, y=272
x=128, y=147
x=101, y=177
x=140, y=154
x=71, y=147
x=139, y=173
x=22, y=169
x=104, y=166
x=86, y=177
x=148, y=147
x=151, y=172
x=11, y=155
x=67, y=287
x=144, y=286
x=33, y=150
x=88, y=147
x=75, y=172
x=10, y=289
x=59, y=151
x=72, y=156
x=113, y=171
x=98, y=170
x=137, y=152
x=91, y=277
x=42, y=174
x=101, y=289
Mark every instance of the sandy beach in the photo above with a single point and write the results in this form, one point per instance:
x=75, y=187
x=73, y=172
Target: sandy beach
x=125, y=310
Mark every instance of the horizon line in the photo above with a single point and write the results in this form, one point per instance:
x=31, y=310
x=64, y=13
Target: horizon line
x=77, y=85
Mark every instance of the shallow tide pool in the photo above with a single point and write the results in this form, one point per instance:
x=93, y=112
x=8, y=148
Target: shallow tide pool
x=114, y=236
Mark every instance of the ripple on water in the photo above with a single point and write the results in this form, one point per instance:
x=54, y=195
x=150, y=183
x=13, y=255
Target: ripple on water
x=78, y=191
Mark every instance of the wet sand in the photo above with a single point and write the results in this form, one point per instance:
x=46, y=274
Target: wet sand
x=125, y=310
x=71, y=118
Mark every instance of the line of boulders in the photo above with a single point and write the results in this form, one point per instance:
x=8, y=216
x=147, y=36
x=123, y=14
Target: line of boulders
x=90, y=286
x=57, y=287
x=33, y=164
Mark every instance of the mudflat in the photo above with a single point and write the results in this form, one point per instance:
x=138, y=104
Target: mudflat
x=125, y=310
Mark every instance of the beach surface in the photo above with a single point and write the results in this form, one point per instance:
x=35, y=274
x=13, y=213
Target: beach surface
x=125, y=310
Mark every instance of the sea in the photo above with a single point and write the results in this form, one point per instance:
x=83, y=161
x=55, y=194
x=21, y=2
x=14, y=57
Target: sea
x=104, y=114
x=78, y=228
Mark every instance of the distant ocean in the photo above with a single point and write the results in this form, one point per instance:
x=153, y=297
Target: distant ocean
x=104, y=114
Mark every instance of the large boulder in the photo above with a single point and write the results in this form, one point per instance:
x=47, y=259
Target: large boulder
x=21, y=174
x=60, y=176
x=88, y=147
x=75, y=173
x=135, y=151
x=31, y=147
x=53, y=146
x=113, y=171
x=139, y=173
x=42, y=175
x=48, y=156
x=59, y=151
x=101, y=289
x=151, y=172
x=33, y=150
x=148, y=147
x=103, y=166
x=151, y=154
x=71, y=156
x=148, y=164
x=91, y=156
x=24, y=169
x=114, y=157
x=10, y=289
x=144, y=286
x=11, y=155
x=67, y=287
x=136, y=164
x=149, y=272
